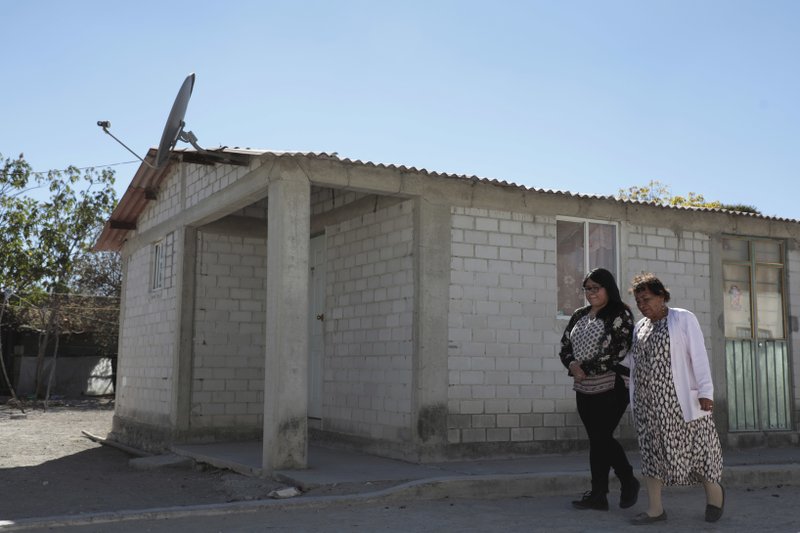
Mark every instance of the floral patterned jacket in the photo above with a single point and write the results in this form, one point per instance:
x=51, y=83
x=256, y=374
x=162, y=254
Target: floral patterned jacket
x=616, y=343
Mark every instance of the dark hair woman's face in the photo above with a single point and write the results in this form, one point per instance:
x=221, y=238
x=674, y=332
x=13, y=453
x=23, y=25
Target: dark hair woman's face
x=595, y=293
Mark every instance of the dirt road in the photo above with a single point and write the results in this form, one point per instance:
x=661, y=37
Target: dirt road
x=48, y=468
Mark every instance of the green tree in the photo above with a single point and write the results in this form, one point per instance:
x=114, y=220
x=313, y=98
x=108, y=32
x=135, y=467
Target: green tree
x=657, y=192
x=654, y=191
x=97, y=274
x=97, y=278
x=44, y=240
x=20, y=264
x=78, y=204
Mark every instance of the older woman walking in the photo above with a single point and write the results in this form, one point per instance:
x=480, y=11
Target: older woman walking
x=672, y=401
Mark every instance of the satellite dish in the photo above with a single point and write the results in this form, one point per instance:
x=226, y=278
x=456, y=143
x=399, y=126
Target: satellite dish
x=173, y=129
x=173, y=132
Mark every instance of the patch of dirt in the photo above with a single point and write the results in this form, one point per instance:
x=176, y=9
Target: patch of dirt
x=49, y=468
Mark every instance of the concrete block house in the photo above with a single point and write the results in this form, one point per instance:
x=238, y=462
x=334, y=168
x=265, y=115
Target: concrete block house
x=282, y=297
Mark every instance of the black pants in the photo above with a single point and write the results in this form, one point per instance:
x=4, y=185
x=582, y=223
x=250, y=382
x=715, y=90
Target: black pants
x=600, y=414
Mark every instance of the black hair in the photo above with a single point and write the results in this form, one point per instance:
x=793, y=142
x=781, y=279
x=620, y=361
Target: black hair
x=605, y=279
x=649, y=282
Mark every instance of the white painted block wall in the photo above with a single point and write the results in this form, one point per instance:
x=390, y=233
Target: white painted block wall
x=144, y=388
x=506, y=381
x=230, y=310
x=368, y=325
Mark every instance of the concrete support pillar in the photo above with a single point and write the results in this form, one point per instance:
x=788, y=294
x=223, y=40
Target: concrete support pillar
x=185, y=286
x=286, y=366
x=432, y=274
x=716, y=349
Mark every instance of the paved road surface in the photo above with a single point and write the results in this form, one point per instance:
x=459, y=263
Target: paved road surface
x=764, y=509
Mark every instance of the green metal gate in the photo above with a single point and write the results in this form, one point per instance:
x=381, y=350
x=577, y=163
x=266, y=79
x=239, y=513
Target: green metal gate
x=758, y=385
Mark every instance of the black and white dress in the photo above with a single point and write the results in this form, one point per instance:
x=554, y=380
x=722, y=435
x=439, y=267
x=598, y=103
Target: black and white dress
x=673, y=450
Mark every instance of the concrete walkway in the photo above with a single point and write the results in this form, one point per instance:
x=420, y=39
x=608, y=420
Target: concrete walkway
x=519, y=476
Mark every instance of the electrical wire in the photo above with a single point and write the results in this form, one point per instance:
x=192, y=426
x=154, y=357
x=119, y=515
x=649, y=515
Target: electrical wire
x=89, y=168
x=45, y=172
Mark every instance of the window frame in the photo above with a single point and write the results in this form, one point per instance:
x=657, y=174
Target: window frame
x=586, y=222
x=752, y=264
x=157, y=266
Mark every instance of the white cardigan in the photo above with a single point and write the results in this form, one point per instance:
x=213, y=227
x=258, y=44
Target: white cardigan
x=690, y=367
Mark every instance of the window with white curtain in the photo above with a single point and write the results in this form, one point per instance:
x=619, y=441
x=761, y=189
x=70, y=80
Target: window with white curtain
x=582, y=245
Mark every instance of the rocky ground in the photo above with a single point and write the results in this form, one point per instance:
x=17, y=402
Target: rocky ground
x=49, y=468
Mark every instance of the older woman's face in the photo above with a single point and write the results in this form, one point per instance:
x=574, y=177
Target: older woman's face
x=651, y=305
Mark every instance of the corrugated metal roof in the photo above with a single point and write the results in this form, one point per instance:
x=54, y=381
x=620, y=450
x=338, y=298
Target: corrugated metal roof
x=503, y=183
x=147, y=180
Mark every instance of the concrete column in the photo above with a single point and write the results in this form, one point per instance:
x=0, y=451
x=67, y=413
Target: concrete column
x=432, y=273
x=185, y=286
x=285, y=370
x=120, y=401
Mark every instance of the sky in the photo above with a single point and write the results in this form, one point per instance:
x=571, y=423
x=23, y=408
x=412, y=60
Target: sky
x=587, y=96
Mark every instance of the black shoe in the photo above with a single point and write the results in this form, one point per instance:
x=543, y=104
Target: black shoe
x=630, y=493
x=642, y=519
x=592, y=500
x=714, y=513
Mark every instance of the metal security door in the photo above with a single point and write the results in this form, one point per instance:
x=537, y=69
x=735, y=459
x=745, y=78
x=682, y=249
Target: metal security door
x=756, y=347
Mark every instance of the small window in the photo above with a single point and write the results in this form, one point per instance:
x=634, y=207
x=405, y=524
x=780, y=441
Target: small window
x=158, y=265
x=581, y=246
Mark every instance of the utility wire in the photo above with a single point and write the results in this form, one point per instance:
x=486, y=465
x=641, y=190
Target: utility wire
x=45, y=172
x=87, y=168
